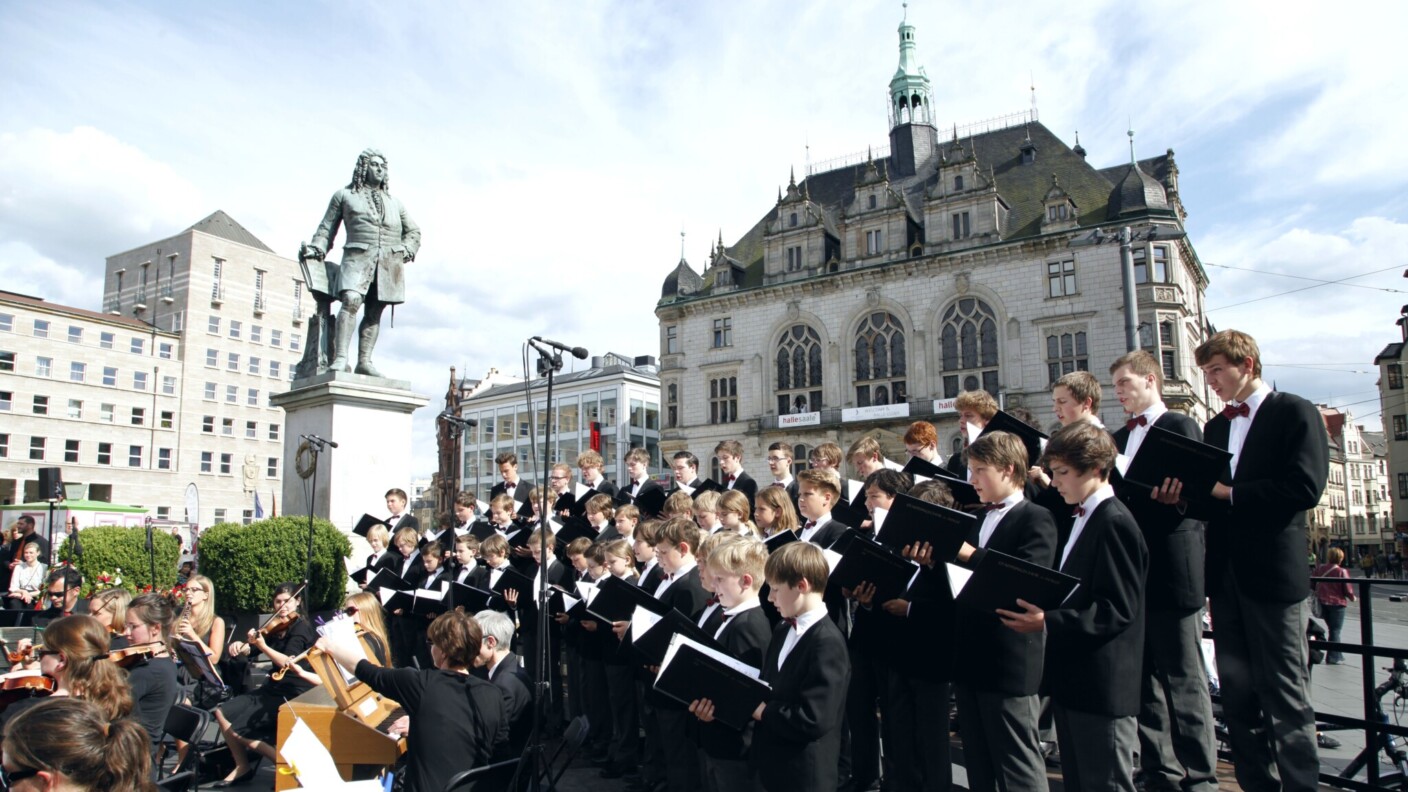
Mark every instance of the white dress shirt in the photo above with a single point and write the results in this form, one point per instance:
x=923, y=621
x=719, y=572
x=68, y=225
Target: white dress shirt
x=806, y=534
x=1138, y=433
x=794, y=634
x=1237, y=433
x=671, y=578
x=645, y=572
x=992, y=518
x=729, y=613
x=406, y=564
x=1097, y=497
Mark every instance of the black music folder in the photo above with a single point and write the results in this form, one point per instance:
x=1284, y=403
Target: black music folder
x=518, y=536
x=1165, y=454
x=572, y=528
x=911, y=520
x=963, y=493
x=360, y=576
x=999, y=580
x=617, y=599
x=365, y=524
x=470, y=598
x=779, y=539
x=651, y=502
x=430, y=602
x=651, y=634
x=691, y=671
x=513, y=579
x=920, y=467
x=866, y=561
x=386, y=579
x=1031, y=437
x=709, y=485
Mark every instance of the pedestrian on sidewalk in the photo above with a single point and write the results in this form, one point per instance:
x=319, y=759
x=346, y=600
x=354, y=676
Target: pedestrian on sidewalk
x=1333, y=597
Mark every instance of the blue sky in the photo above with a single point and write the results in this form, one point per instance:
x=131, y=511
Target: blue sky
x=552, y=152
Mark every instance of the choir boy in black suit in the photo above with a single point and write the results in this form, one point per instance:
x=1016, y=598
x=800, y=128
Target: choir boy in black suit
x=412, y=570
x=590, y=465
x=826, y=456
x=599, y=511
x=493, y=553
x=729, y=453
x=621, y=701
x=464, y=513
x=574, y=634
x=681, y=590
x=998, y=671
x=975, y=409
x=1257, y=578
x=921, y=441
x=866, y=458
x=561, y=500
x=706, y=513
x=648, y=570
x=382, y=555
x=649, y=577
x=867, y=645
x=817, y=493
x=920, y=640
x=798, y=729
x=505, y=670
x=638, y=482
x=400, y=518
x=510, y=484
x=1177, y=749
x=436, y=578
x=549, y=572
x=622, y=526
x=1095, y=639
x=1074, y=397
x=780, y=466
x=685, y=467
x=743, y=629
x=466, y=558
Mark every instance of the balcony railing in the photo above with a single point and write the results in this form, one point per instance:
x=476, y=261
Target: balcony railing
x=832, y=416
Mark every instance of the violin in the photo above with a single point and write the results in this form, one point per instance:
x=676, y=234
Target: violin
x=25, y=685
x=22, y=656
x=278, y=624
x=129, y=656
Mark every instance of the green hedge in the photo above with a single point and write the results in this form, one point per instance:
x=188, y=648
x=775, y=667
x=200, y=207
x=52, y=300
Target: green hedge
x=246, y=562
x=108, y=548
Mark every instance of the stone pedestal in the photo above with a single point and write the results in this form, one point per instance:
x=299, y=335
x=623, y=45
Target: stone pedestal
x=370, y=420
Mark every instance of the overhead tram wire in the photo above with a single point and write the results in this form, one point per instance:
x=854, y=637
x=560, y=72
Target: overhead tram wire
x=1319, y=285
x=1315, y=280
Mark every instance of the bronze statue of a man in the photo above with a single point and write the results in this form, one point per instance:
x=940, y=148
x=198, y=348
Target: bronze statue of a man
x=381, y=238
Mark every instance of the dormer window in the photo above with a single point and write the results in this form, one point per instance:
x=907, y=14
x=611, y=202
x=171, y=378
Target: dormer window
x=1056, y=213
x=958, y=184
x=792, y=221
x=873, y=202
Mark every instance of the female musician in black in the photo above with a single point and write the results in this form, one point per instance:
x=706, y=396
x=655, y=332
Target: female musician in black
x=248, y=721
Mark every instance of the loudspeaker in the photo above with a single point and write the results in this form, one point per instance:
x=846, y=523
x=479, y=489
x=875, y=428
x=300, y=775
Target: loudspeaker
x=51, y=483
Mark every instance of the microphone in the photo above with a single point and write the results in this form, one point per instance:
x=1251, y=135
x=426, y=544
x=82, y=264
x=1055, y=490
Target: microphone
x=315, y=439
x=577, y=352
x=448, y=416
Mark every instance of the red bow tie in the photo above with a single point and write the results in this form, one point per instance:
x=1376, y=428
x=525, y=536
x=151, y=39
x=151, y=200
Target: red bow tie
x=1078, y=511
x=992, y=507
x=1138, y=420
x=731, y=478
x=670, y=577
x=778, y=484
x=790, y=622
x=810, y=525
x=1242, y=409
x=714, y=600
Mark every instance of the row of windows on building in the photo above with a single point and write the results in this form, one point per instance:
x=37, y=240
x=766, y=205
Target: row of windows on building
x=235, y=329
x=208, y=424
x=43, y=328
x=42, y=404
x=253, y=364
x=78, y=372
x=105, y=452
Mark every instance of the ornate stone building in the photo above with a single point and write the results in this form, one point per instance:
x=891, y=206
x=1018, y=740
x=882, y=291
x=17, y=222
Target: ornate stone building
x=872, y=293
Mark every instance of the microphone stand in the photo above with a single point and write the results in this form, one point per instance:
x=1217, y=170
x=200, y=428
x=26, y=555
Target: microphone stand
x=317, y=446
x=151, y=553
x=534, y=756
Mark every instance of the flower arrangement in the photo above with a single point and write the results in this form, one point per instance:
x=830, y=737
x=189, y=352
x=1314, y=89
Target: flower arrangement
x=106, y=580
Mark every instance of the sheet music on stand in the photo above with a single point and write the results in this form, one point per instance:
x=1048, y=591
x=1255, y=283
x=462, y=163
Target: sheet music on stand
x=344, y=630
x=313, y=764
x=197, y=663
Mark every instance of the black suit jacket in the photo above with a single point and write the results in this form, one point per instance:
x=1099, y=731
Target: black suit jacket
x=414, y=575
x=520, y=493
x=1095, y=640
x=827, y=534
x=685, y=594
x=992, y=657
x=746, y=485
x=1175, y=541
x=604, y=487
x=796, y=743
x=1261, y=535
x=517, y=688
x=921, y=644
x=623, y=496
x=745, y=638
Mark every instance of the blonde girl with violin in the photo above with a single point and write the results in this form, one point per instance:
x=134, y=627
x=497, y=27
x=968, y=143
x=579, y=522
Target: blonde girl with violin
x=248, y=721
x=364, y=609
x=109, y=607
x=75, y=655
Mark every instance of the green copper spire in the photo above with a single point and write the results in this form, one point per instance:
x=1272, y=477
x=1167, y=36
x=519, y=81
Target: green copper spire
x=910, y=95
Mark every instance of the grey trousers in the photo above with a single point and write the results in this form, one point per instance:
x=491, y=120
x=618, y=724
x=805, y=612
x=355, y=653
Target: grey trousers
x=1097, y=751
x=1001, y=750
x=1177, y=744
x=1262, y=664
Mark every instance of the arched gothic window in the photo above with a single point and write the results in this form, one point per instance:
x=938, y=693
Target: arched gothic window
x=968, y=347
x=880, y=360
x=798, y=370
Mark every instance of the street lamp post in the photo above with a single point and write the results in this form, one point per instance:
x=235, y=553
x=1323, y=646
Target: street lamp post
x=1126, y=238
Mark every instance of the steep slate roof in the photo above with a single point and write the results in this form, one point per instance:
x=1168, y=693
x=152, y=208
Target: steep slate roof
x=1022, y=187
x=222, y=225
x=1393, y=351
